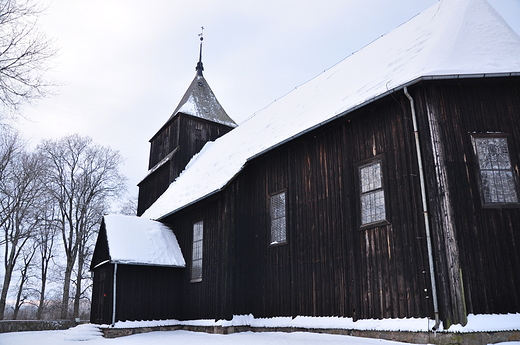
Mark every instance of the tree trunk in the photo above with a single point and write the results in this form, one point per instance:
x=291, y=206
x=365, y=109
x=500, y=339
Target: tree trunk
x=77, y=296
x=5, y=289
x=41, y=304
x=66, y=290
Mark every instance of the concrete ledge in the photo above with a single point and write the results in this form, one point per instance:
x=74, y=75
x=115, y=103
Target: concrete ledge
x=437, y=338
x=7, y=326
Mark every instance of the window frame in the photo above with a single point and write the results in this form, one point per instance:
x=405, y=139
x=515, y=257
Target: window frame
x=359, y=166
x=270, y=198
x=198, y=278
x=478, y=170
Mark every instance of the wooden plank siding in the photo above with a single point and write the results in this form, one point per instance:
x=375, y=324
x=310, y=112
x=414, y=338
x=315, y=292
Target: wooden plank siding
x=328, y=266
x=209, y=297
x=146, y=292
x=487, y=239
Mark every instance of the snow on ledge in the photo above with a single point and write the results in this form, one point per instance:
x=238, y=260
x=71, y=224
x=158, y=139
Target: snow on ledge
x=476, y=323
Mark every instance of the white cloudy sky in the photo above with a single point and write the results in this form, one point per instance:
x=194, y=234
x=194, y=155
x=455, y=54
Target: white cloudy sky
x=125, y=64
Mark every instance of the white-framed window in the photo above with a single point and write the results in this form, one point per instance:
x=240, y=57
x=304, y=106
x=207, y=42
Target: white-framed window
x=372, y=194
x=496, y=171
x=278, y=219
x=196, y=256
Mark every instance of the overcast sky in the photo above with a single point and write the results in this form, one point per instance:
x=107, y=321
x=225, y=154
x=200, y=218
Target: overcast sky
x=124, y=65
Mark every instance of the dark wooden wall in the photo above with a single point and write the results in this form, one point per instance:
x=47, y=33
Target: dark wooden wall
x=209, y=298
x=147, y=292
x=488, y=239
x=329, y=266
x=188, y=132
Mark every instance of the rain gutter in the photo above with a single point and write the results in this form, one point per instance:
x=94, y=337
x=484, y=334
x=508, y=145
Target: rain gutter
x=426, y=216
x=114, y=296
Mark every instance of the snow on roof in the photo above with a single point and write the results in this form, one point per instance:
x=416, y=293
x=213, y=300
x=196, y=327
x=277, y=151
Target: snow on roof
x=141, y=241
x=450, y=39
x=200, y=101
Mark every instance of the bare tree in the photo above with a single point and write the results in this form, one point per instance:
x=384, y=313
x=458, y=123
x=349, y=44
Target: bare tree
x=45, y=239
x=24, y=54
x=81, y=177
x=128, y=207
x=25, y=274
x=10, y=145
x=20, y=192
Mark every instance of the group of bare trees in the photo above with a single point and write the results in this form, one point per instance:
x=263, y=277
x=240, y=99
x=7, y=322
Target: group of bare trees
x=51, y=202
x=52, y=197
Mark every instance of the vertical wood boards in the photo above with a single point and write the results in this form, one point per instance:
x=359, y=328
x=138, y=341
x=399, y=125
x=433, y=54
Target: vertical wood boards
x=487, y=239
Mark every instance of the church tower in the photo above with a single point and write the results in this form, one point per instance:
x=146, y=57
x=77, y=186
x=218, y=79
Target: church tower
x=198, y=118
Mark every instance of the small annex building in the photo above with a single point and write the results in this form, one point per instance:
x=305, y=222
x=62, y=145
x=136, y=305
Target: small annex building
x=130, y=252
x=386, y=187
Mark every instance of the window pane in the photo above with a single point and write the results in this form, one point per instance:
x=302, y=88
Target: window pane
x=370, y=177
x=197, y=231
x=278, y=206
x=373, y=207
x=196, y=270
x=278, y=221
x=498, y=183
x=499, y=186
x=493, y=153
x=278, y=230
x=372, y=194
x=196, y=255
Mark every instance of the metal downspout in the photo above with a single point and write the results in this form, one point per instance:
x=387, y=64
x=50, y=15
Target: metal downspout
x=114, y=296
x=425, y=211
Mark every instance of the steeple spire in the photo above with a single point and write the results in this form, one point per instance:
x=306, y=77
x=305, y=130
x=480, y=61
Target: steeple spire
x=199, y=67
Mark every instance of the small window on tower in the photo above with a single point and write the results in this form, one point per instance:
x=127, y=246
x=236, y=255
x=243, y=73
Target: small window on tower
x=497, y=180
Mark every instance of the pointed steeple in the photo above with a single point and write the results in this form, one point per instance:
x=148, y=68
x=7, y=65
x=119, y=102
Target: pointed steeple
x=200, y=101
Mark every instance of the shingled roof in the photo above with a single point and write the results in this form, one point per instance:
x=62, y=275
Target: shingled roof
x=200, y=101
x=452, y=39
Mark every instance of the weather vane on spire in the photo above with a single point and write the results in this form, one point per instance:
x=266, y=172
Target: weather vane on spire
x=201, y=35
x=199, y=67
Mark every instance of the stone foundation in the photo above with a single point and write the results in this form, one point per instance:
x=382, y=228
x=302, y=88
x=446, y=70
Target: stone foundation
x=35, y=325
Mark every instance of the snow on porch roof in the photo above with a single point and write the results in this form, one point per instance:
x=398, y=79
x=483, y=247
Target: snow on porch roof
x=451, y=39
x=141, y=241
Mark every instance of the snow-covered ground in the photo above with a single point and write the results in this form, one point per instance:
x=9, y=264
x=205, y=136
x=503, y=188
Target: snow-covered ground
x=90, y=334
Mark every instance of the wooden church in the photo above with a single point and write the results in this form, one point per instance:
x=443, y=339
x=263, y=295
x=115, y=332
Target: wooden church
x=386, y=187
